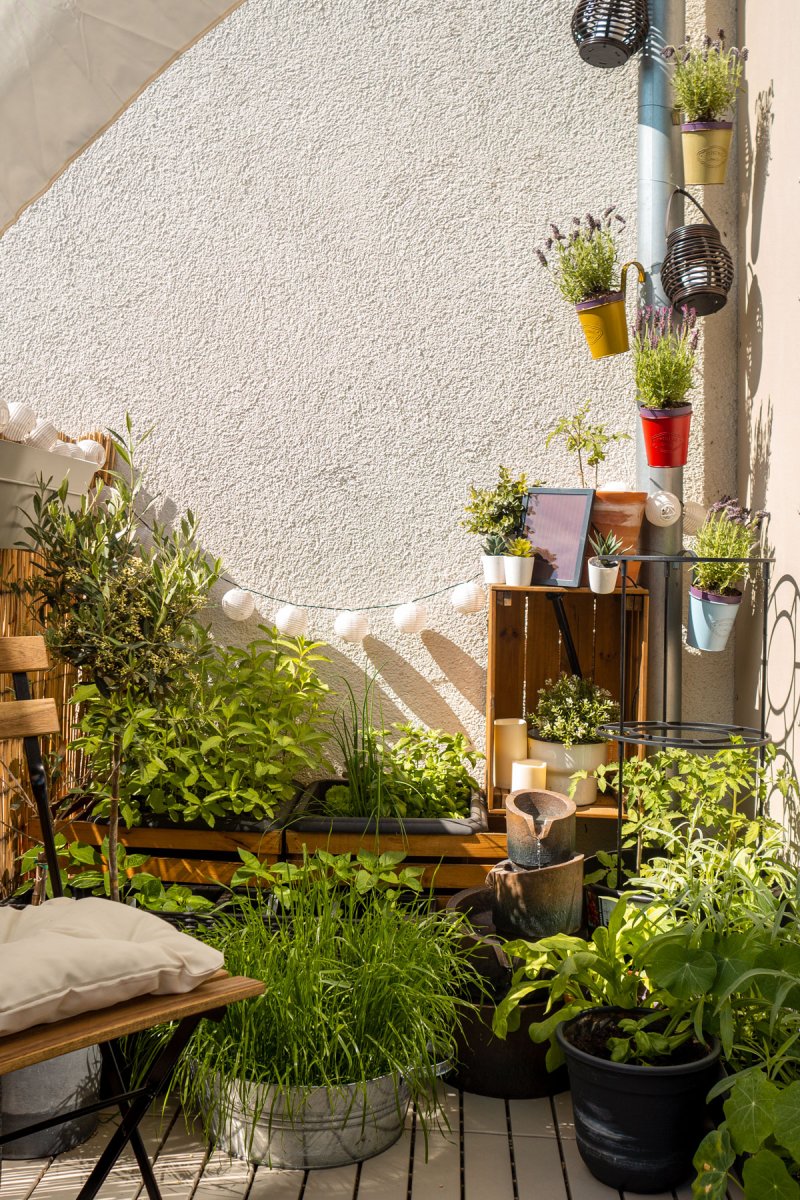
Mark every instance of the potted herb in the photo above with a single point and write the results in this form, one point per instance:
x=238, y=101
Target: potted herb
x=707, y=78
x=583, y=263
x=518, y=562
x=563, y=733
x=664, y=353
x=615, y=509
x=494, y=548
x=630, y=1028
x=361, y=1009
x=604, y=566
x=496, y=515
x=729, y=532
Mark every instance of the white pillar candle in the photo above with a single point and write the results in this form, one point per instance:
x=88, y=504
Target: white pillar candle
x=510, y=743
x=528, y=775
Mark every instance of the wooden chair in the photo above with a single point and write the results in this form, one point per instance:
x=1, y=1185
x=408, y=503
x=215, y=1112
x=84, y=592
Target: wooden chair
x=28, y=719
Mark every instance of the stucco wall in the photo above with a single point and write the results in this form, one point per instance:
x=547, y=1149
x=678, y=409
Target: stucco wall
x=770, y=355
x=305, y=256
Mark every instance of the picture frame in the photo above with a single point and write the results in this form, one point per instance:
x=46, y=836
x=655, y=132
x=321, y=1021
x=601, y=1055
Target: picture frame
x=556, y=523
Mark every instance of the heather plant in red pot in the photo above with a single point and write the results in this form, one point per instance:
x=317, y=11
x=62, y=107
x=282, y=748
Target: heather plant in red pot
x=664, y=354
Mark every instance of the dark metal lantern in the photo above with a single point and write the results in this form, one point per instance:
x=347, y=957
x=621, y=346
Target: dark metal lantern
x=608, y=32
x=697, y=271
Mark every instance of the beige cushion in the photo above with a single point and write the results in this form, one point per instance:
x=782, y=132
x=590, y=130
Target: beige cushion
x=66, y=957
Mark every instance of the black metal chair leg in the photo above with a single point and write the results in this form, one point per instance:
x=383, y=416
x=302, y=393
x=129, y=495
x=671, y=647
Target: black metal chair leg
x=137, y=1144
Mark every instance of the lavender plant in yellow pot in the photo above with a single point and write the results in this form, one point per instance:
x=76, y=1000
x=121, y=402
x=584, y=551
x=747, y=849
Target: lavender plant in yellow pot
x=707, y=78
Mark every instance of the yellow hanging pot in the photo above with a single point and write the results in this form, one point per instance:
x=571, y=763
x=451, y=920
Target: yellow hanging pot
x=706, y=148
x=603, y=319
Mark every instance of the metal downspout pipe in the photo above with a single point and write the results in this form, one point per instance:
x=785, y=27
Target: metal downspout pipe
x=659, y=169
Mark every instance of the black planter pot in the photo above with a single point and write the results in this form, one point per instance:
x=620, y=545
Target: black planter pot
x=637, y=1128
x=511, y=1068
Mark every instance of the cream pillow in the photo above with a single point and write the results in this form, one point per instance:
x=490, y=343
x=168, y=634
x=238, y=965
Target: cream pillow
x=66, y=957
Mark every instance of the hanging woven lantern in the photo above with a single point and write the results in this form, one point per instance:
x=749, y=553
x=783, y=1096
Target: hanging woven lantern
x=697, y=271
x=608, y=32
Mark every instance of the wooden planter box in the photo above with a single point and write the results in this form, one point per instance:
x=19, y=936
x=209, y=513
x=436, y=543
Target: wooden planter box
x=526, y=648
x=456, y=853
x=179, y=855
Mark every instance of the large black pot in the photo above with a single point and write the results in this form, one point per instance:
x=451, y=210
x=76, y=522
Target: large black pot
x=511, y=1068
x=637, y=1128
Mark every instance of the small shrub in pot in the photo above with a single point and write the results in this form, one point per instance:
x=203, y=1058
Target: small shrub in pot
x=604, y=566
x=729, y=532
x=664, y=354
x=564, y=734
x=707, y=79
x=496, y=515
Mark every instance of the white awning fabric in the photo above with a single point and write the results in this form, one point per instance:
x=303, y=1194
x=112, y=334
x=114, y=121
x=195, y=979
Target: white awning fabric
x=69, y=68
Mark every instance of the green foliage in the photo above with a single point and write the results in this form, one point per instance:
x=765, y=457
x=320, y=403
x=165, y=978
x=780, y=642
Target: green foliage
x=606, y=546
x=494, y=545
x=707, y=77
x=519, y=548
x=727, y=532
x=497, y=510
x=588, y=441
x=356, y=987
x=583, y=262
x=420, y=773
x=569, y=711
x=664, y=354
x=369, y=873
x=230, y=742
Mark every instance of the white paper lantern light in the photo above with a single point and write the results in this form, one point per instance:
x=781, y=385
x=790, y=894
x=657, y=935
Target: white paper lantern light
x=5, y=415
x=44, y=435
x=351, y=626
x=238, y=605
x=67, y=449
x=21, y=420
x=411, y=618
x=468, y=597
x=662, y=509
x=694, y=516
x=92, y=451
x=291, y=621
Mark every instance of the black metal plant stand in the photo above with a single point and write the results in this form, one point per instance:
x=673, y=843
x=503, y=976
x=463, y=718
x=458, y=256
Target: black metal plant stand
x=662, y=734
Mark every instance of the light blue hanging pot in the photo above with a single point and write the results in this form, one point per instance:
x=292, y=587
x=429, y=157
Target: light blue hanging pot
x=711, y=618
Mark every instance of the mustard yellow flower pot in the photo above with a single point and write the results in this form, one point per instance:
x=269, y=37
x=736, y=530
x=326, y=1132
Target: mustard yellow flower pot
x=603, y=318
x=706, y=148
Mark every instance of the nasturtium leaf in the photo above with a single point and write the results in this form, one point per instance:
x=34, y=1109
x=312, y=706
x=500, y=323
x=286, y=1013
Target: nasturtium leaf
x=682, y=971
x=786, y=1119
x=714, y=1158
x=766, y=1177
x=749, y=1111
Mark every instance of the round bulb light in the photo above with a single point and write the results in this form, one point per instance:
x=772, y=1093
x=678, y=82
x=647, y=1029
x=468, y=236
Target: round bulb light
x=694, y=516
x=351, y=626
x=662, y=509
x=468, y=597
x=238, y=605
x=92, y=451
x=291, y=621
x=411, y=618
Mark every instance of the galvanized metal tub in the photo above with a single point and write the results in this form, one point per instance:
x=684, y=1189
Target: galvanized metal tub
x=314, y=1128
x=34, y=1093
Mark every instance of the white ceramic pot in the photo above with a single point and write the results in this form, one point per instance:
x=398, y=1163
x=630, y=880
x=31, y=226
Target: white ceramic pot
x=519, y=571
x=493, y=568
x=562, y=763
x=602, y=580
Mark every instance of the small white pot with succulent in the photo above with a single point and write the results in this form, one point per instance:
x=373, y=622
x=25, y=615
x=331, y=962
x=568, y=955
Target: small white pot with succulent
x=518, y=562
x=492, y=560
x=604, y=566
x=563, y=732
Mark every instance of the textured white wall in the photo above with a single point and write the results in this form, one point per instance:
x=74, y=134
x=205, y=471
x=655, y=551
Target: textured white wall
x=306, y=256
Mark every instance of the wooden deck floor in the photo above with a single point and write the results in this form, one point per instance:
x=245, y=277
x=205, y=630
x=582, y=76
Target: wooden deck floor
x=516, y=1150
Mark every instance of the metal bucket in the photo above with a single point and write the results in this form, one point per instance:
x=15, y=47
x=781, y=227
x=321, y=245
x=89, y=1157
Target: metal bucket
x=35, y=1093
x=310, y=1128
x=540, y=902
x=541, y=828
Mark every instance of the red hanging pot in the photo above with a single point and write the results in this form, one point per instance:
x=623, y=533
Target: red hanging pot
x=666, y=435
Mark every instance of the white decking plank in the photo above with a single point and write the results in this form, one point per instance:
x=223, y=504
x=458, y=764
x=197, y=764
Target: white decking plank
x=438, y=1178
x=18, y=1179
x=562, y=1103
x=487, y=1167
x=335, y=1183
x=224, y=1178
x=539, y=1172
x=385, y=1177
x=582, y=1184
x=180, y=1161
x=273, y=1183
x=532, y=1118
x=68, y=1172
x=484, y=1114
x=653, y=1195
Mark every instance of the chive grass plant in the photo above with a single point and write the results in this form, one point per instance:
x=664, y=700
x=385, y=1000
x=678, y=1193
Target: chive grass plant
x=357, y=987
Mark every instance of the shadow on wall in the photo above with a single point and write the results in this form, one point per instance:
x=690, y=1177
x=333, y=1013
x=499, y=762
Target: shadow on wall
x=413, y=689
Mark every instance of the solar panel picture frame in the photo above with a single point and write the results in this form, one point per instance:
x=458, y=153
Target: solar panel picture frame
x=556, y=523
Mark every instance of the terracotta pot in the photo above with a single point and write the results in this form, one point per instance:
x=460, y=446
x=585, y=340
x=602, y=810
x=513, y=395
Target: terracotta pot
x=621, y=513
x=666, y=435
x=706, y=147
